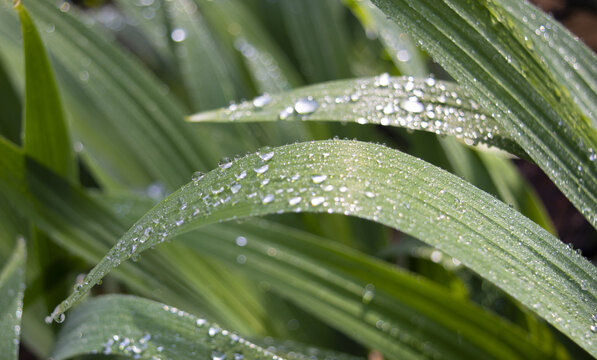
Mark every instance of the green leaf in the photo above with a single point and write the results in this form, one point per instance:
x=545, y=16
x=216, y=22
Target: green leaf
x=418, y=104
x=236, y=26
x=10, y=103
x=12, y=287
x=376, y=304
x=140, y=328
x=484, y=50
x=141, y=137
x=87, y=229
x=401, y=49
x=204, y=68
x=318, y=35
x=389, y=187
x=570, y=62
x=46, y=134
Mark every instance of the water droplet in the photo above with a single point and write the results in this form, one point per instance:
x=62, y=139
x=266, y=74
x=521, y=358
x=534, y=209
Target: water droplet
x=388, y=109
x=369, y=194
x=238, y=356
x=317, y=200
x=241, y=241
x=225, y=163
x=60, y=318
x=306, y=106
x=266, y=156
x=197, y=175
x=262, y=100
x=267, y=199
x=368, y=294
x=235, y=188
x=242, y=175
x=178, y=35
x=213, y=331
x=412, y=105
x=318, y=179
x=261, y=169
x=200, y=322
x=286, y=113
x=295, y=200
x=384, y=80
x=216, y=355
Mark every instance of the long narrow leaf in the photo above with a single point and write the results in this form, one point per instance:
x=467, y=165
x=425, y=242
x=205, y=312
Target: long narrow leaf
x=486, y=52
x=418, y=104
x=377, y=305
x=386, y=186
x=140, y=328
x=571, y=63
x=46, y=134
x=12, y=286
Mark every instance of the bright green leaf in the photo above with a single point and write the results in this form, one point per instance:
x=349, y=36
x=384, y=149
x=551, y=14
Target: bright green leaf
x=386, y=186
x=46, y=134
x=417, y=104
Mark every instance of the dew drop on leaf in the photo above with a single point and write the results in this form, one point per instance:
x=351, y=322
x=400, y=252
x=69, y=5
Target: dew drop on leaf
x=318, y=179
x=261, y=169
x=262, y=100
x=306, y=106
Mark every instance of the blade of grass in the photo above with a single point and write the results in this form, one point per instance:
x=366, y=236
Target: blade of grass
x=389, y=187
x=136, y=327
x=12, y=287
x=399, y=312
x=10, y=103
x=484, y=50
x=571, y=63
x=46, y=135
x=317, y=32
x=421, y=104
x=88, y=229
x=203, y=66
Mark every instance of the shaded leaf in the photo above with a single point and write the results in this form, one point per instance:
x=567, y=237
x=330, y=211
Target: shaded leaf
x=140, y=328
x=12, y=286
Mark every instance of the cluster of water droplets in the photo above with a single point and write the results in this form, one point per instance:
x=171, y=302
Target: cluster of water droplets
x=418, y=104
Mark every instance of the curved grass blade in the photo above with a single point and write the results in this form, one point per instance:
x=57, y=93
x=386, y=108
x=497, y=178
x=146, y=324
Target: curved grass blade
x=281, y=256
x=482, y=48
x=418, y=104
x=392, y=188
x=139, y=328
x=571, y=62
x=88, y=229
x=12, y=287
x=374, y=303
x=46, y=134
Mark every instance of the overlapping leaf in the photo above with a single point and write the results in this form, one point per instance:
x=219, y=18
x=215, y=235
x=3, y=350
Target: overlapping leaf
x=487, y=53
x=12, y=286
x=140, y=328
x=417, y=104
x=392, y=188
